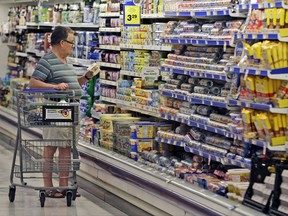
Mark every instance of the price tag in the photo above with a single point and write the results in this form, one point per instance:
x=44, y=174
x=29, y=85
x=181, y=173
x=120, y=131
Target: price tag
x=132, y=15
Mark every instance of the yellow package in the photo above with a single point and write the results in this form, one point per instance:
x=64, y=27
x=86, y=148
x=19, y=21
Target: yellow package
x=275, y=56
x=259, y=126
x=106, y=120
x=267, y=126
x=267, y=55
x=280, y=54
x=250, y=85
x=257, y=49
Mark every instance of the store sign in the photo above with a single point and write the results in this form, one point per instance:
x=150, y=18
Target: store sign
x=149, y=76
x=132, y=14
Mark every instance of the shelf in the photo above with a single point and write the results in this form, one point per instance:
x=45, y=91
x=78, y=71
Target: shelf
x=79, y=25
x=110, y=47
x=222, y=160
x=228, y=134
x=281, y=74
x=146, y=47
x=110, y=14
x=110, y=65
x=21, y=54
x=80, y=62
x=198, y=13
x=153, y=16
x=35, y=52
x=107, y=99
x=174, y=95
x=212, y=129
x=195, y=73
x=116, y=29
x=133, y=107
x=108, y=82
x=208, y=102
x=129, y=73
x=171, y=141
x=12, y=65
x=257, y=36
x=278, y=4
x=186, y=41
x=194, y=100
x=258, y=106
x=71, y=25
x=21, y=27
x=249, y=71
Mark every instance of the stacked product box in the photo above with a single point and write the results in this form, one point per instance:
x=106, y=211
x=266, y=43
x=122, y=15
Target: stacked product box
x=135, y=61
x=158, y=32
x=106, y=131
x=263, y=191
x=280, y=196
x=121, y=135
x=142, y=138
x=146, y=34
x=124, y=90
x=35, y=42
x=85, y=47
x=141, y=35
x=194, y=6
x=135, y=95
x=145, y=97
x=219, y=30
x=152, y=7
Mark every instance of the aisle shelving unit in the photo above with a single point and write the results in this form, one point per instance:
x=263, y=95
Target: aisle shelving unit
x=216, y=75
x=276, y=4
x=109, y=47
x=182, y=192
x=176, y=185
x=269, y=109
x=210, y=42
x=194, y=100
x=145, y=47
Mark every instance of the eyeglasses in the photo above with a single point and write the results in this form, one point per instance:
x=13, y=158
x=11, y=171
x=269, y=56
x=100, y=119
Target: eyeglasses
x=72, y=43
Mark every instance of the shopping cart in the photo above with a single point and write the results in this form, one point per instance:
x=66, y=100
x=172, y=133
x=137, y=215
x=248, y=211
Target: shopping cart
x=40, y=108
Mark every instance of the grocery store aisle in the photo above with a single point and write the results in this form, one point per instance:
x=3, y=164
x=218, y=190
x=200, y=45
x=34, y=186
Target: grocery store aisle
x=27, y=201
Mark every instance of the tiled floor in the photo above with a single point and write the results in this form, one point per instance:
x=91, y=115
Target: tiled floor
x=27, y=200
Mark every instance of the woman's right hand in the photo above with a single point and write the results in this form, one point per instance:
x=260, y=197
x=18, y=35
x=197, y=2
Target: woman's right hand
x=61, y=86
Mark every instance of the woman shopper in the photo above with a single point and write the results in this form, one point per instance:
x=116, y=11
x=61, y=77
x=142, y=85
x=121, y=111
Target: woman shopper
x=53, y=72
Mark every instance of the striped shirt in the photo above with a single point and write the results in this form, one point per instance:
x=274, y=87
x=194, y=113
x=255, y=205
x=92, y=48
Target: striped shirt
x=51, y=70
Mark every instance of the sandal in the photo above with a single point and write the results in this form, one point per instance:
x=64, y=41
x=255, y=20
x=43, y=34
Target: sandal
x=54, y=194
x=64, y=193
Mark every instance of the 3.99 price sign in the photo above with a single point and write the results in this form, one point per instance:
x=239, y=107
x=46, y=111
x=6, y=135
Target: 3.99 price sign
x=132, y=15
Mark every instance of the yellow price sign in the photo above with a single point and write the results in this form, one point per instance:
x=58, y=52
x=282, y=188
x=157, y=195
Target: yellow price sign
x=132, y=15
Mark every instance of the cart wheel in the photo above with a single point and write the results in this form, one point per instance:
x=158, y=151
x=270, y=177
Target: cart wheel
x=42, y=198
x=12, y=191
x=69, y=198
x=74, y=193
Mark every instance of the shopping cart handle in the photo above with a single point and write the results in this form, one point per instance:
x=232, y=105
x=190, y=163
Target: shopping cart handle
x=40, y=90
x=50, y=90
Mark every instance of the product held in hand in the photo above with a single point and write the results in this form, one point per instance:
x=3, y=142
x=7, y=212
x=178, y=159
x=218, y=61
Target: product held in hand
x=95, y=68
